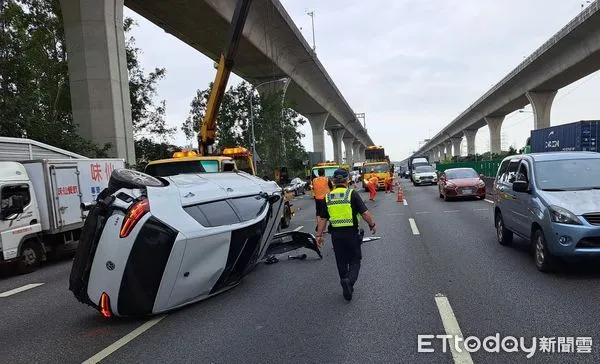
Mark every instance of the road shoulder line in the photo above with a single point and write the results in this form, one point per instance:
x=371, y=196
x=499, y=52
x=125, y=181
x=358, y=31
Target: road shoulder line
x=124, y=340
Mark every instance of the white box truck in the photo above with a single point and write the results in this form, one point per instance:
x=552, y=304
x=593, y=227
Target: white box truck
x=40, y=209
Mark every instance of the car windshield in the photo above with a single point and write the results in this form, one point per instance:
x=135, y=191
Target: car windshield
x=570, y=174
x=461, y=173
x=328, y=171
x=174, y=168
x=377, y=168
x=243, y=164
x=424, y=169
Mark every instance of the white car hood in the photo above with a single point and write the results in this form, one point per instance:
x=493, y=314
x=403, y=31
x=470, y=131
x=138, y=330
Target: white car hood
x=578, y=202
x=193, y=189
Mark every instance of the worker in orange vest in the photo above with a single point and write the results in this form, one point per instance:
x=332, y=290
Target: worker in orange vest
x=389, y=184
x=373, y=182
x=321, y=187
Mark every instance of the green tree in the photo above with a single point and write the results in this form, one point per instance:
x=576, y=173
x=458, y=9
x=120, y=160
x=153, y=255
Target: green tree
x=278, y=142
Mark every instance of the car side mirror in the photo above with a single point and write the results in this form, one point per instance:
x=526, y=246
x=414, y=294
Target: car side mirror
x=520, y=186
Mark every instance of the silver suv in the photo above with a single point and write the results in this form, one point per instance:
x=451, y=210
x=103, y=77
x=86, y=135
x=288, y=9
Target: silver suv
x=551, y=200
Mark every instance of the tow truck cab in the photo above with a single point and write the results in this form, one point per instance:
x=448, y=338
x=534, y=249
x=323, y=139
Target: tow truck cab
x=189, y=162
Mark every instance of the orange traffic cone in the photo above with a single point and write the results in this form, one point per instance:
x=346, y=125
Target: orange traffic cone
x=400, y=195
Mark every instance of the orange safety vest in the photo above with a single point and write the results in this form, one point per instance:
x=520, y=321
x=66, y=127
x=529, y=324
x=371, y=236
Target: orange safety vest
x=388, y=180
x=374, y=180
x=320, y=187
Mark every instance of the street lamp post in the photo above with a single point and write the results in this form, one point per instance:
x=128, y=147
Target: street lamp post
x=311, y=13
x=283, y=79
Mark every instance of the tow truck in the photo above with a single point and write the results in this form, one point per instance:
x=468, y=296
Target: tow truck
x=376, y=164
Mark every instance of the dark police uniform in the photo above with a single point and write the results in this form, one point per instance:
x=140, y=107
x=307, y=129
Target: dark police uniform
x=344, y=207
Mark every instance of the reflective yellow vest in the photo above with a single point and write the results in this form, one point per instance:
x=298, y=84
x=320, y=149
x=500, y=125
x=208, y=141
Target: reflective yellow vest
x=340, y=208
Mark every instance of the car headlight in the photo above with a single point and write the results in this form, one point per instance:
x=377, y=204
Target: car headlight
x=563, y=216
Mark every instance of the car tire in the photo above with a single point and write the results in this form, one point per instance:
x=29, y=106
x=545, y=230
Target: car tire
x=286, y=218
x=129, y=178
x=31, y=256
x=504, y=236
x=544, y=260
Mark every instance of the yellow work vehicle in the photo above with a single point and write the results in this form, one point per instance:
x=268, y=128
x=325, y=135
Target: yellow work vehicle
x=329, y=168
x=377, y=164
x=242, y=157
x=189, y=162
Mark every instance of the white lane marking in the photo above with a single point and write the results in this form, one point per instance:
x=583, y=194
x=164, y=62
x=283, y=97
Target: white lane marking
x=413, y=226
x=422, y=212
x=124, y=340
x=487, y=209
x=451, y=327
x=405, y=202
x=299, y=228
x=20, y=289
x=490, y=201
x=452, y=211
x=396, y=214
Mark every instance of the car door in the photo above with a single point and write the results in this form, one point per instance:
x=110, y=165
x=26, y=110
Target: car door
x=523, y=205
x=506, y=196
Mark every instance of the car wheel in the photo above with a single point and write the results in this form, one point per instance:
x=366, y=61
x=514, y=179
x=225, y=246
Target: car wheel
x=129, y=178
x=544, y=260
x=504, y=236
x=31, y=255
x=286, y=218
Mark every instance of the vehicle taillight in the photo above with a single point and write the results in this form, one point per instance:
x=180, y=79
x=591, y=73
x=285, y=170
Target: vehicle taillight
x=105, y=305
x=135, y=213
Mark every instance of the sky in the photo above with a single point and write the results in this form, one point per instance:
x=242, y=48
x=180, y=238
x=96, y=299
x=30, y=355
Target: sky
x=411, y=66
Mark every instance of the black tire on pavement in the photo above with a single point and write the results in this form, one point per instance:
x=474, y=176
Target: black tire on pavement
x=129, y=178
x=504, y=236
x=544, y=260
x=31, y=256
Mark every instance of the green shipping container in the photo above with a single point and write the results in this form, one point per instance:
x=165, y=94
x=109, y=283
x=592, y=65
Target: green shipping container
x=487, y=168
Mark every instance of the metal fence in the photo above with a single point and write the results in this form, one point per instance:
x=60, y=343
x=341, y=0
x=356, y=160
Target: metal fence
x=487, y=168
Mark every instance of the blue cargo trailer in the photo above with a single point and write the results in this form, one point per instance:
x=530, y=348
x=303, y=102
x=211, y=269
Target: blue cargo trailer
x=578, y=136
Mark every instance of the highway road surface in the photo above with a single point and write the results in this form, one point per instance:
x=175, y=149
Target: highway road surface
x=437, y=270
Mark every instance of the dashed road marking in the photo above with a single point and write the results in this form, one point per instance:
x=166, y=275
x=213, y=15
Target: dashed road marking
x=413, y=226
x=452, y=328
x=299, y=228
x=124, y=340
x=422, y=212
x=452, y=211
x=486, y=209
x=490, y=201
x=20, y=289
x=395, y=214
x=405, y=202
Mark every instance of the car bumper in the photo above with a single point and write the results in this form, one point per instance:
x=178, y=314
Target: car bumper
x=573, y=240
x=462, y=192
x=426, y=181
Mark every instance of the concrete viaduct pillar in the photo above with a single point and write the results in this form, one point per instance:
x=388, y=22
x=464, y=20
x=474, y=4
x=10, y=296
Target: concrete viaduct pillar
x=432, y=156
x=98, y=77
x=356, y=151
x=495, y=125
x=456, y=141
x=336, y=138
x=348, y=142
x=361, y=152
x=448, y=144
x=541, y=103
x=317, y=124
x=470, y=135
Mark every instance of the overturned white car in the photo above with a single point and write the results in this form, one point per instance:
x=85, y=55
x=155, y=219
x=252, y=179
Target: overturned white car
x=150, y=245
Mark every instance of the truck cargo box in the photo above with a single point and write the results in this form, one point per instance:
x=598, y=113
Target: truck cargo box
x=578, y=136
x=61, y=185
x=21, y=149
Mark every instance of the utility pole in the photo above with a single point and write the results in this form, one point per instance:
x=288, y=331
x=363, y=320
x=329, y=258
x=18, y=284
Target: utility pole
x=311, y=13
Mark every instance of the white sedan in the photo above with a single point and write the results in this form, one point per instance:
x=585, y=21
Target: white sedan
x=150, y=245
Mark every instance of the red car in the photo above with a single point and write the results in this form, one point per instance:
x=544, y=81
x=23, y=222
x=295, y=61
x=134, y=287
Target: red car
x=460, y=183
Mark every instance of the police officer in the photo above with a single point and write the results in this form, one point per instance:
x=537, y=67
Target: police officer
x=344, y=209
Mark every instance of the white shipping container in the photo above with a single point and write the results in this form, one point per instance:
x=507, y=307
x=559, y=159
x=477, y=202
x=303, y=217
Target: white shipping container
x=61, y=185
